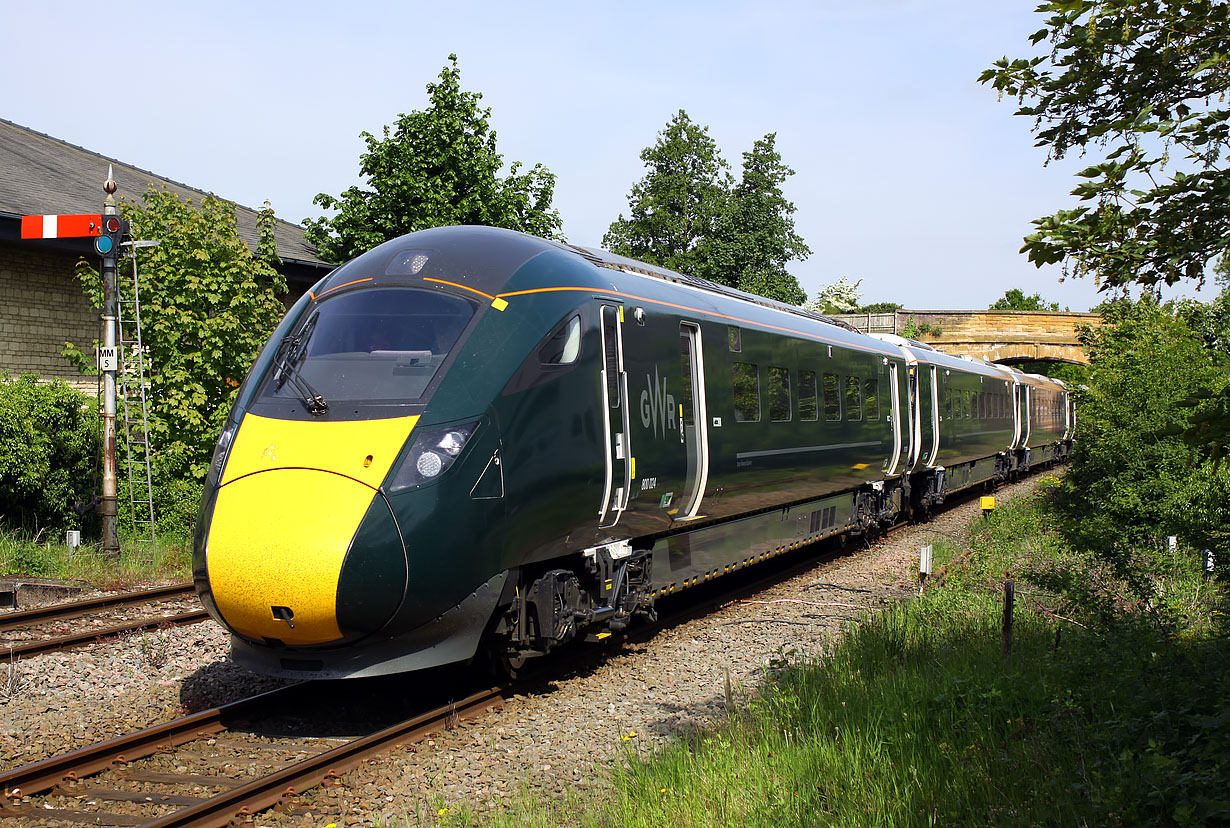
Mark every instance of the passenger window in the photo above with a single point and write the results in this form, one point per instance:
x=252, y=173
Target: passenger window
x=564, y=345
x=967, y=405
x=734, y=339
x=832, y=404
x=747, y=392
x=854, y=401
x=779, y=395
x=871, y=398
x=808, y=411
x=948, y=403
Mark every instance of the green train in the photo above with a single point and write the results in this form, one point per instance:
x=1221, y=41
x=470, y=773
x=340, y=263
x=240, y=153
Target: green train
x=470, y=441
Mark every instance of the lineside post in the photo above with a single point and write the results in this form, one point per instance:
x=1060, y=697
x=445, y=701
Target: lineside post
x=1009, y=595
x=108, y=247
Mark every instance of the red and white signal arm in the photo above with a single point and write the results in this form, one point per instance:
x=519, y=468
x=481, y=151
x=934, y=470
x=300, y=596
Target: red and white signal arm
x=60, y=227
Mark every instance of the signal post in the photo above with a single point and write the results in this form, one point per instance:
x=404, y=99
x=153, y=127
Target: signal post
x=108, y=245
x=108, y=231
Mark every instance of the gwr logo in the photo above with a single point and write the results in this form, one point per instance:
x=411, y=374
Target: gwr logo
x=658, y=407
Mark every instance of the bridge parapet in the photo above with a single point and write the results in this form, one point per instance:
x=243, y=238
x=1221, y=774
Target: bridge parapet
x=995, y=335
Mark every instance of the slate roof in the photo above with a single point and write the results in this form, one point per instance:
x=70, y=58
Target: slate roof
x=41, y=175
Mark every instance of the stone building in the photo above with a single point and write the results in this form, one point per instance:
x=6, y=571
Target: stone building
x=41, y=303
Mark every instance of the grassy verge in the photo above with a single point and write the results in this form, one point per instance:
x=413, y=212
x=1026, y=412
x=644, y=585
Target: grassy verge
x=1113, y=709
x=25, y=554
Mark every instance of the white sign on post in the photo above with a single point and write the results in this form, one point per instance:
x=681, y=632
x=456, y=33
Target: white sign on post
x=108, y=358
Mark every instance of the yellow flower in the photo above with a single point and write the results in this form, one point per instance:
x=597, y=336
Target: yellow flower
x=631, y=735
x=443, y=811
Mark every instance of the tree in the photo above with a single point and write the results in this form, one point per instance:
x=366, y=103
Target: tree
x=1015, y=299
x=208, y=303
x=1139, y=81
x=1132, y=478
x=754, y=238
x=675, y=207
x=435, y=167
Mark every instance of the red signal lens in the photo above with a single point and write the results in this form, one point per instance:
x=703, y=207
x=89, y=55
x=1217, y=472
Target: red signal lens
x=111, y=224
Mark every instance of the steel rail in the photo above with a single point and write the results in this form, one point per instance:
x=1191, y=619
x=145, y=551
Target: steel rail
x=75, y=609
x=239, y=804
x=46, y=774
x=64, y=642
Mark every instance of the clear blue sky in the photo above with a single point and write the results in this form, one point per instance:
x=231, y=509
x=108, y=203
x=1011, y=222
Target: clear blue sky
x=910, y=176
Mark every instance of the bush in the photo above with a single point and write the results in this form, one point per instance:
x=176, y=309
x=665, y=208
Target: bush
x=48, y=449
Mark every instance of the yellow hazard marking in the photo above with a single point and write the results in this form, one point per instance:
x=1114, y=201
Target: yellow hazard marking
x=621, y=313
x=634, y=468
x=499, y=304
x=603, y=635
x=264, y=443
x=861, y=466
x=278, y=539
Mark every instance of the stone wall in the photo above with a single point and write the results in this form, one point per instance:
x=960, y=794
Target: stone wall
x=41, y=307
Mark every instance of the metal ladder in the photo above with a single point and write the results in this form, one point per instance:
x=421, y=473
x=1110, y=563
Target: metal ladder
x=135, y=418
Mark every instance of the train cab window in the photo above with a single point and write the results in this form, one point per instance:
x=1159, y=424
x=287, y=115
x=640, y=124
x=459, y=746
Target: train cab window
x=779, y=395
x=563, y=347
x=854, y=399
x=734, y=339
x=746, y=379
x=871, y=398
x=370, y=346
x=832, y=402
x=808, y=410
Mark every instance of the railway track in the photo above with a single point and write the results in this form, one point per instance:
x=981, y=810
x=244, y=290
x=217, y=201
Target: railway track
x=207, y=769
x=41, y=630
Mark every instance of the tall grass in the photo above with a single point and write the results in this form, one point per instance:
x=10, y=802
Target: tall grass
x=1111, y=710
x=33, y=555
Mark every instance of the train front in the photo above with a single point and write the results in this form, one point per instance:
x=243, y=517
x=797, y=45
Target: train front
x=359, y=419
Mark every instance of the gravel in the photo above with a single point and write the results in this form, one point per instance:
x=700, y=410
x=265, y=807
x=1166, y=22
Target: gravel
x=563, y=738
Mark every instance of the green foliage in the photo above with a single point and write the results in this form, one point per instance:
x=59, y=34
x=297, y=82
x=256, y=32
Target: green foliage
x=1133, y=479
x=1068, y=372
x=675, y=208
x=754, y=238
x=1136, y=80
x=208, y=303
x=48, y=451
x=435, y=167
x=879, y=307
x=916, y=330
x=1015, y=299
x=688, y=215
x=33, y=555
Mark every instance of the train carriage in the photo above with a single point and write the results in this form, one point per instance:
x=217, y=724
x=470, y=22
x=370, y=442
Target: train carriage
x=470, y=439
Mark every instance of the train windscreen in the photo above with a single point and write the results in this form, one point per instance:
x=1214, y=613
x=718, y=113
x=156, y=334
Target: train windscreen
x=375, y=345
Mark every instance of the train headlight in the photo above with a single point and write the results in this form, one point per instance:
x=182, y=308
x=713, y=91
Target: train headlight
x=222, y=451
x=430, y=455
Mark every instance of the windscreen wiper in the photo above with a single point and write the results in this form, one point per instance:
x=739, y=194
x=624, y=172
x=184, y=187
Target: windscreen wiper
x=295, y=346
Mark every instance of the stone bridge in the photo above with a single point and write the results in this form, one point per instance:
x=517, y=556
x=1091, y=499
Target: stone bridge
x=994, y=335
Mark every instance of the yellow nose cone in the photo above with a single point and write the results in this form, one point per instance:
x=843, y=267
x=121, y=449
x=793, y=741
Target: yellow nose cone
x=292, y=497
x=276, y=547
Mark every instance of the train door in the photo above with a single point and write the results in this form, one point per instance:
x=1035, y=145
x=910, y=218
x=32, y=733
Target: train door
x=1025, y=415
x=616, y=419
x=928, y=433
x=899, y=422
x=693, y=420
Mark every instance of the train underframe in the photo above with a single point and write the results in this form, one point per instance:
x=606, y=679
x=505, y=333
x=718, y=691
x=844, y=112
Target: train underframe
x=602, y=590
